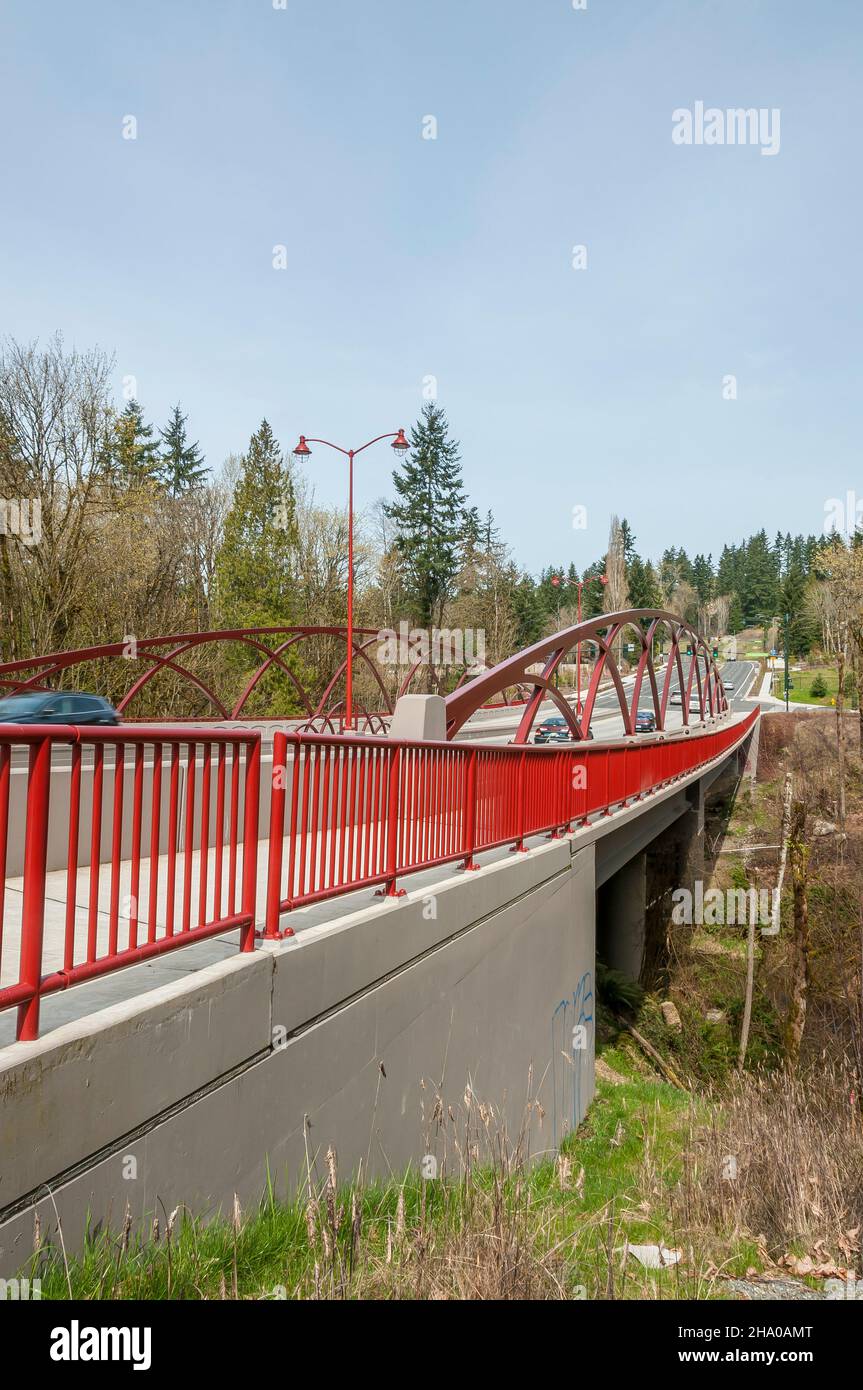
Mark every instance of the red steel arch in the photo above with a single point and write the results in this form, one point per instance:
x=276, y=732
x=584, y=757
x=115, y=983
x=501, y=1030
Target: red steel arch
x=164, y=653
x=406, y=684
x=603, y=631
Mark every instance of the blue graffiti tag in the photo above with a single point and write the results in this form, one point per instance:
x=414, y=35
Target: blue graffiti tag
x=578, y=1046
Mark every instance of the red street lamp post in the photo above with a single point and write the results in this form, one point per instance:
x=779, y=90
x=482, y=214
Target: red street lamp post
x=302, y=453
x=556, y=583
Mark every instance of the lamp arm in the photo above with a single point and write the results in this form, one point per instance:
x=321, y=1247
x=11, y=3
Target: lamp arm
x=393, y=434
x=337, y=447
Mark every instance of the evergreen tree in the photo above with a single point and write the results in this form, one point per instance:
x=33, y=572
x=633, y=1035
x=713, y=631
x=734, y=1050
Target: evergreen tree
x=702, y=578
x=628, y=538
x=593, y=593
x=182, y=464
x=528, y=611
x=759, y=595
x=429, y=516
x=684, y=567
x=668, y=574
x=735, y=614
x=257, y=560
x=494, y=550
x=802, y=630
x=728, y=571
x=135, y=453
x=643, y=585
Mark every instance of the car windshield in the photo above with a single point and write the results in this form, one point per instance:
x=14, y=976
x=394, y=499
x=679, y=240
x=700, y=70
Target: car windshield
x=13, y=705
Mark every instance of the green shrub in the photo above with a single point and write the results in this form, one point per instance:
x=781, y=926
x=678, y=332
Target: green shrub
x=617, y=991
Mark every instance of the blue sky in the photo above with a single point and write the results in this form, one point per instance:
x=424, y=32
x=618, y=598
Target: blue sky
x=409, y=258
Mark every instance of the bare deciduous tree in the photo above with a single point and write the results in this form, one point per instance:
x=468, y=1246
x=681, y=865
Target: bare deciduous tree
x=57, y=427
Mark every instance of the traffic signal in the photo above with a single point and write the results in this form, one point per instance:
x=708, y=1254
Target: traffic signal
x=689, y=651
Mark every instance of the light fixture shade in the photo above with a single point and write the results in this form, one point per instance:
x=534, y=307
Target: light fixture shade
x=302, y=450
x=400, y=444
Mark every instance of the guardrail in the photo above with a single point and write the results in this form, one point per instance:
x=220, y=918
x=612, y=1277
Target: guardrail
x=161, y=829
x=153, y=821
x=347, y=814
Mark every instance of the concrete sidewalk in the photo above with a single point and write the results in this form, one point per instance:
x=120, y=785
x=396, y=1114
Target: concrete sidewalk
x=119, y=985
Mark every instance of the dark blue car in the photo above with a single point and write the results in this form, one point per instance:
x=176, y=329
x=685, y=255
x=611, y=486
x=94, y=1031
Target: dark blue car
x=56, y=707
x=554, y=730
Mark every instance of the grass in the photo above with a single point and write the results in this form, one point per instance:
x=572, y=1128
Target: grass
x=648, y=1166
x=801, y=690
x=500, y=1228
x=798, y=1180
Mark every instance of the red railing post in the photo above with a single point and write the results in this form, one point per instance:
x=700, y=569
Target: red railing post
x=559, y=761
x=519, y=846
x=393, y=809
x=277, y=836
x=252, y=793
x=607, y=796
x=35, y=862
x=470, y=808
x=585, y=789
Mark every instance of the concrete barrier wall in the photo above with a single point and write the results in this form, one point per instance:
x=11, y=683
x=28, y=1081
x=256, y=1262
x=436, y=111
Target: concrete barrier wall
x=344, y=1037
x=58, y=819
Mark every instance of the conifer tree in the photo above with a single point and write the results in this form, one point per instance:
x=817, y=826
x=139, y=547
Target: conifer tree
x=429, y=516
x=135, y=453
x=528, y=612
x=257, y=564
x=628, y=540
x=643, y=585
x=182, y=463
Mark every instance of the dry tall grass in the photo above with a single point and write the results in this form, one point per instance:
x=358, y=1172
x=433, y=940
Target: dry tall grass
x=782, y=1160
x=476, y=1234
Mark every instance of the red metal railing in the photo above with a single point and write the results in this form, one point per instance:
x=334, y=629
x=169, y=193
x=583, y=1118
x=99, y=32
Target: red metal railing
x=350, y=814
x=147, y=838
x=153, y=822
